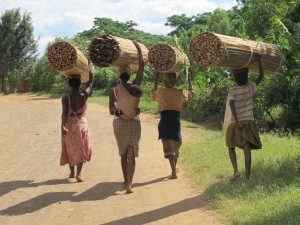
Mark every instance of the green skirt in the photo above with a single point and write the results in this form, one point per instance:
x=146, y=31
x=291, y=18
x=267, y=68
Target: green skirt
x=236, y=137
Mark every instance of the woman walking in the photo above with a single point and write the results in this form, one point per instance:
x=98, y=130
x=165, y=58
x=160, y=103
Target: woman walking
x=76, y=145
x=126, y=123
x=241, y=131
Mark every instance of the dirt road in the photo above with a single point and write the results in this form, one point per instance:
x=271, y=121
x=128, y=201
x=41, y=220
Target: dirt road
x=34, y=188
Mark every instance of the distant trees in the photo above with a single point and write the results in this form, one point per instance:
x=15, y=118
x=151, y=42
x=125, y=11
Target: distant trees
x=121, y=29
x=271, y=21
x=17, y=44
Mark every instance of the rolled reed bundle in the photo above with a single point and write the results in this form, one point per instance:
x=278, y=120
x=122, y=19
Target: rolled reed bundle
x=211, y=49
x=109, y=51
x=166, y=59
x=68, y=60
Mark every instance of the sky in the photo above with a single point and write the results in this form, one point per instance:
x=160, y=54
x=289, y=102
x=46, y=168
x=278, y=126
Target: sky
x=65, y=18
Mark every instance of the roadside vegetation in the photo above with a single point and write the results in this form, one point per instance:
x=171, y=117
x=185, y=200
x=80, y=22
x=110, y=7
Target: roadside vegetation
x=273, y=195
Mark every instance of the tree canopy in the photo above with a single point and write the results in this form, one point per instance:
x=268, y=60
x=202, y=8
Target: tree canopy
x=17, y=43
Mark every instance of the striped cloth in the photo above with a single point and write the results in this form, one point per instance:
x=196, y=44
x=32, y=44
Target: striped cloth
x=243, y=101
x=127, y=133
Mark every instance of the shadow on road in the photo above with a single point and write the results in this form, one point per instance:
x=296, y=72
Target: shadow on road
x=161, y=213
x=6, y=187
x=98, y=192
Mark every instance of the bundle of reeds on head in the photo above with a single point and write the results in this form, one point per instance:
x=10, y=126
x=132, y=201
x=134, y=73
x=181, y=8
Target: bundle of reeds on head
x=215, y=50
x=111, y=51
x=167, y=59
x=68, y=60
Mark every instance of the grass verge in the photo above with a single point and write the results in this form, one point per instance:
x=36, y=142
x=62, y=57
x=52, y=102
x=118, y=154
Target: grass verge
x=272, y=197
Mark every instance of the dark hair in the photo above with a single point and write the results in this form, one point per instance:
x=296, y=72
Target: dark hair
x=74, y=83
x=171, y=75
x=135, y=90
x=125, y=76
x=241, y=78
x=170, y=79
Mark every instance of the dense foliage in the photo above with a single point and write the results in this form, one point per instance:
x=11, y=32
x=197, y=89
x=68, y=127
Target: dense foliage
x=277, y=22
x=17, y=46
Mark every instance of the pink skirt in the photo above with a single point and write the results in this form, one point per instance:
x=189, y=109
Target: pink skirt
x=76, y=145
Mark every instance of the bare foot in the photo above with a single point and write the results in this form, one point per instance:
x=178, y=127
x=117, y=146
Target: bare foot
x=71, y=176
x=78, y=178
x=129, y=190
x=235, y=176
x=172, y=176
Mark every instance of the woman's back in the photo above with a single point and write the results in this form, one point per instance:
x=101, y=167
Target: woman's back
x=76, y=103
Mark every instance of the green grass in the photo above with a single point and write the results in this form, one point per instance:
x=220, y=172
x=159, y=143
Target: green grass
x=102, y=100
x=145, y=105
x=271, y=197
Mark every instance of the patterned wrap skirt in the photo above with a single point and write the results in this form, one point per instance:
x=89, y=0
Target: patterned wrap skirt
x=236, y=137
x=127, y=133
x=76, y=145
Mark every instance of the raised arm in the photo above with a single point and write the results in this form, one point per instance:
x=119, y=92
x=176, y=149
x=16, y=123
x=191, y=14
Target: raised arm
x=156, y=75
x=89, y=85
x=190, y=94
x=190, y=80
x=153, y=91
x=261, y=70
x=140, y=72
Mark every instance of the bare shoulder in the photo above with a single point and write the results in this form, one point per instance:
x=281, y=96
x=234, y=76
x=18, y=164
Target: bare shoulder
x=64, y=99
x=111, y=91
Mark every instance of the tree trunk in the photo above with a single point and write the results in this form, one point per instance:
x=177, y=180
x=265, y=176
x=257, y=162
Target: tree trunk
x=3, y=90
x=1, y=84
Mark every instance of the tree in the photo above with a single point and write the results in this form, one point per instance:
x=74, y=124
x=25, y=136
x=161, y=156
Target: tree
x=120, y=29
x=182, y=22
x=219, y=22
x=260, y=14
x=179, y=22
x=17, y=43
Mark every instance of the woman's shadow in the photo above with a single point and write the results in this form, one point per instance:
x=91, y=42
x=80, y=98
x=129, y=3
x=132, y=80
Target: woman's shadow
x=98, y=192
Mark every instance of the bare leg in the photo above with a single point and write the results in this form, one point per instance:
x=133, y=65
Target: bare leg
x=78, y=175
x=232, y=155
x=124, y=168
x=130, y=168
x=247, y=152
x=173, y=166
x=72, y=174
x=177, y=170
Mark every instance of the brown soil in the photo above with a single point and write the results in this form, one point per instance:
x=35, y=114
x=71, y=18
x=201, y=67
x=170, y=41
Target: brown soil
x=34, y=189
